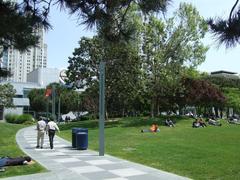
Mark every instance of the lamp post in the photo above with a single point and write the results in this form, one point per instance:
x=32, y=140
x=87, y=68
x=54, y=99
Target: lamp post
x=101, y=106
x=53, y=102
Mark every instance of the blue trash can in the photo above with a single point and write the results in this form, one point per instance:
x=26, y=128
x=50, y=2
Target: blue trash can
x=82, y=140
x=74, y=132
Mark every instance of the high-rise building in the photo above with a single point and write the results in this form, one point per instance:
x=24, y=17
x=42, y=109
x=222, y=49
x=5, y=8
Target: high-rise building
x=21, y=63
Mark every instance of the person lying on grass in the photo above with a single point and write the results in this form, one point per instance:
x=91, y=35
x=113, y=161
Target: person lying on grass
x=214, y=122
x=233, y=120
x=153, y=128
x=8, y=161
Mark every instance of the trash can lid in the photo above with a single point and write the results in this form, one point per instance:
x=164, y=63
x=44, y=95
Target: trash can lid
x=81, y=133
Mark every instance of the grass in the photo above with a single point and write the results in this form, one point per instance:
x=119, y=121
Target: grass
x=203, y=153
x=8, y=147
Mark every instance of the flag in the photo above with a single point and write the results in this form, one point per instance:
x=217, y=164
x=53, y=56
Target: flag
x=48, y=92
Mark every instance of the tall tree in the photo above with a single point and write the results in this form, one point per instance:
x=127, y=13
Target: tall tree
x=169, y=47
x=123, y=70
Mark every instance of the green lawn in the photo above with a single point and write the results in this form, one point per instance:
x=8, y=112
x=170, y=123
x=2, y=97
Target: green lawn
x=203, y=153
x=8, y=147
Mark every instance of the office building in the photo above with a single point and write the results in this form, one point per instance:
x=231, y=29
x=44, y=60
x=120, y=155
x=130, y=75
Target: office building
x=21, y=63
x=38, y=79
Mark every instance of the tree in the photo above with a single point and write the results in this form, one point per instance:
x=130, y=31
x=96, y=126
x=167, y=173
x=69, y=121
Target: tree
x=69, y=98
x=38, y=101
x=122, y=70
x=18, y=25
x=227, y=31
x=109, y=16
x=202, y=93
x=7, y=92
x=169, y=47
x=232, y=99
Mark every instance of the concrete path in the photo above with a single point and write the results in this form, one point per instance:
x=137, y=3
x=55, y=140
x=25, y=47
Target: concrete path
x=65, y=163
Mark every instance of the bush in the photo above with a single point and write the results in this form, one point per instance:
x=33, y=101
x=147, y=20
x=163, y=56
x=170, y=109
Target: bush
x=19, y=119
x=11, y=118
x=24, y=118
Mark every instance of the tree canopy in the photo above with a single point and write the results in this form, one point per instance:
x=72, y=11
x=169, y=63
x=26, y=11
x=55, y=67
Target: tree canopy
x=19, y=20
x=7, y=92
x=146, y=70
x=18, y=25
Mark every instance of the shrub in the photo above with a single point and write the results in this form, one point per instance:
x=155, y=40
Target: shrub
x=11, y=118
x=24, y=118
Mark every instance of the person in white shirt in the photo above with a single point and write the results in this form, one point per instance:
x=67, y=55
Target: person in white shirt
x=41, y=127
x=51, y=129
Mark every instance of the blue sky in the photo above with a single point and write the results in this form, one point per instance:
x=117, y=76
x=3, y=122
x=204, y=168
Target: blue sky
x=66, y=32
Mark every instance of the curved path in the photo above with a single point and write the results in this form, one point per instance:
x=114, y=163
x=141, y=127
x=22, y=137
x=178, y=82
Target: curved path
x=66, y=163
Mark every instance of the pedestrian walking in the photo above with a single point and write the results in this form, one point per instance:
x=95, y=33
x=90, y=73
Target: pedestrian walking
x=51, y=129
x=41, y=127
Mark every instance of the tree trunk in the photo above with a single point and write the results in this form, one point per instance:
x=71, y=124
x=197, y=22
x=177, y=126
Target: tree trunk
x=152, y=109
x=158, y=108
x=216, y=111
x=106, y=114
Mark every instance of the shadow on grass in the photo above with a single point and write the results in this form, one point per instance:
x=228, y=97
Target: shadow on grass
x=92, y=124
x=147, y=121
x=123, y=122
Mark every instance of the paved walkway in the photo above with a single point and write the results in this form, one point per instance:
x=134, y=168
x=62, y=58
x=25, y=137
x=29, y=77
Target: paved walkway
x=65, y=163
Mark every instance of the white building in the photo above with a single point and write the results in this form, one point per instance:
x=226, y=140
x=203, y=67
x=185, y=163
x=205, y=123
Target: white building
x=44, y=76
x=21, y=63
x=39, y=78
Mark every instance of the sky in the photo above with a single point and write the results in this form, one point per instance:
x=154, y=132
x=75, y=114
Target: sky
x=66, y=33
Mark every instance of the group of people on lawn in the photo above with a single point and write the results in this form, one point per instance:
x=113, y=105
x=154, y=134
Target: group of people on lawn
x=197, y=123
x=154, y=127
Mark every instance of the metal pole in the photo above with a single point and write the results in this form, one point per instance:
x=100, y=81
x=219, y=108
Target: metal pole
x=47, y=107
x=53, y=103
x=101, y=107
x=59, y=108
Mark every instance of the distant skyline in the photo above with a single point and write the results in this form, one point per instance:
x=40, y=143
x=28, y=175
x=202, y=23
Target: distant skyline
x=66, y=33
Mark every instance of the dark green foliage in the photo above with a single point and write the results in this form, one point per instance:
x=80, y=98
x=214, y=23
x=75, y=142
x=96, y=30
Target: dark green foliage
x=4, y=72
x=227, y=31
x=19, y=119
x=38, y=101
x=222, y=81
x=11, y=118
x=123, y=73
x=18, y=25
x=107, y=16
x=24, y=119
x=69, y=99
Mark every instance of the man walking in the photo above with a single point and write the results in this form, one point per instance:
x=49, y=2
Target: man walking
x=41, y=127
x=51, y=128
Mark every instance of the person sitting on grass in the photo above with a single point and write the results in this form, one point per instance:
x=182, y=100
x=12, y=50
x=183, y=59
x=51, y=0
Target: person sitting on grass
x=169, y=123
x=196, y=124
x=8, y=161
x=153, y=128
x=202, y=122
